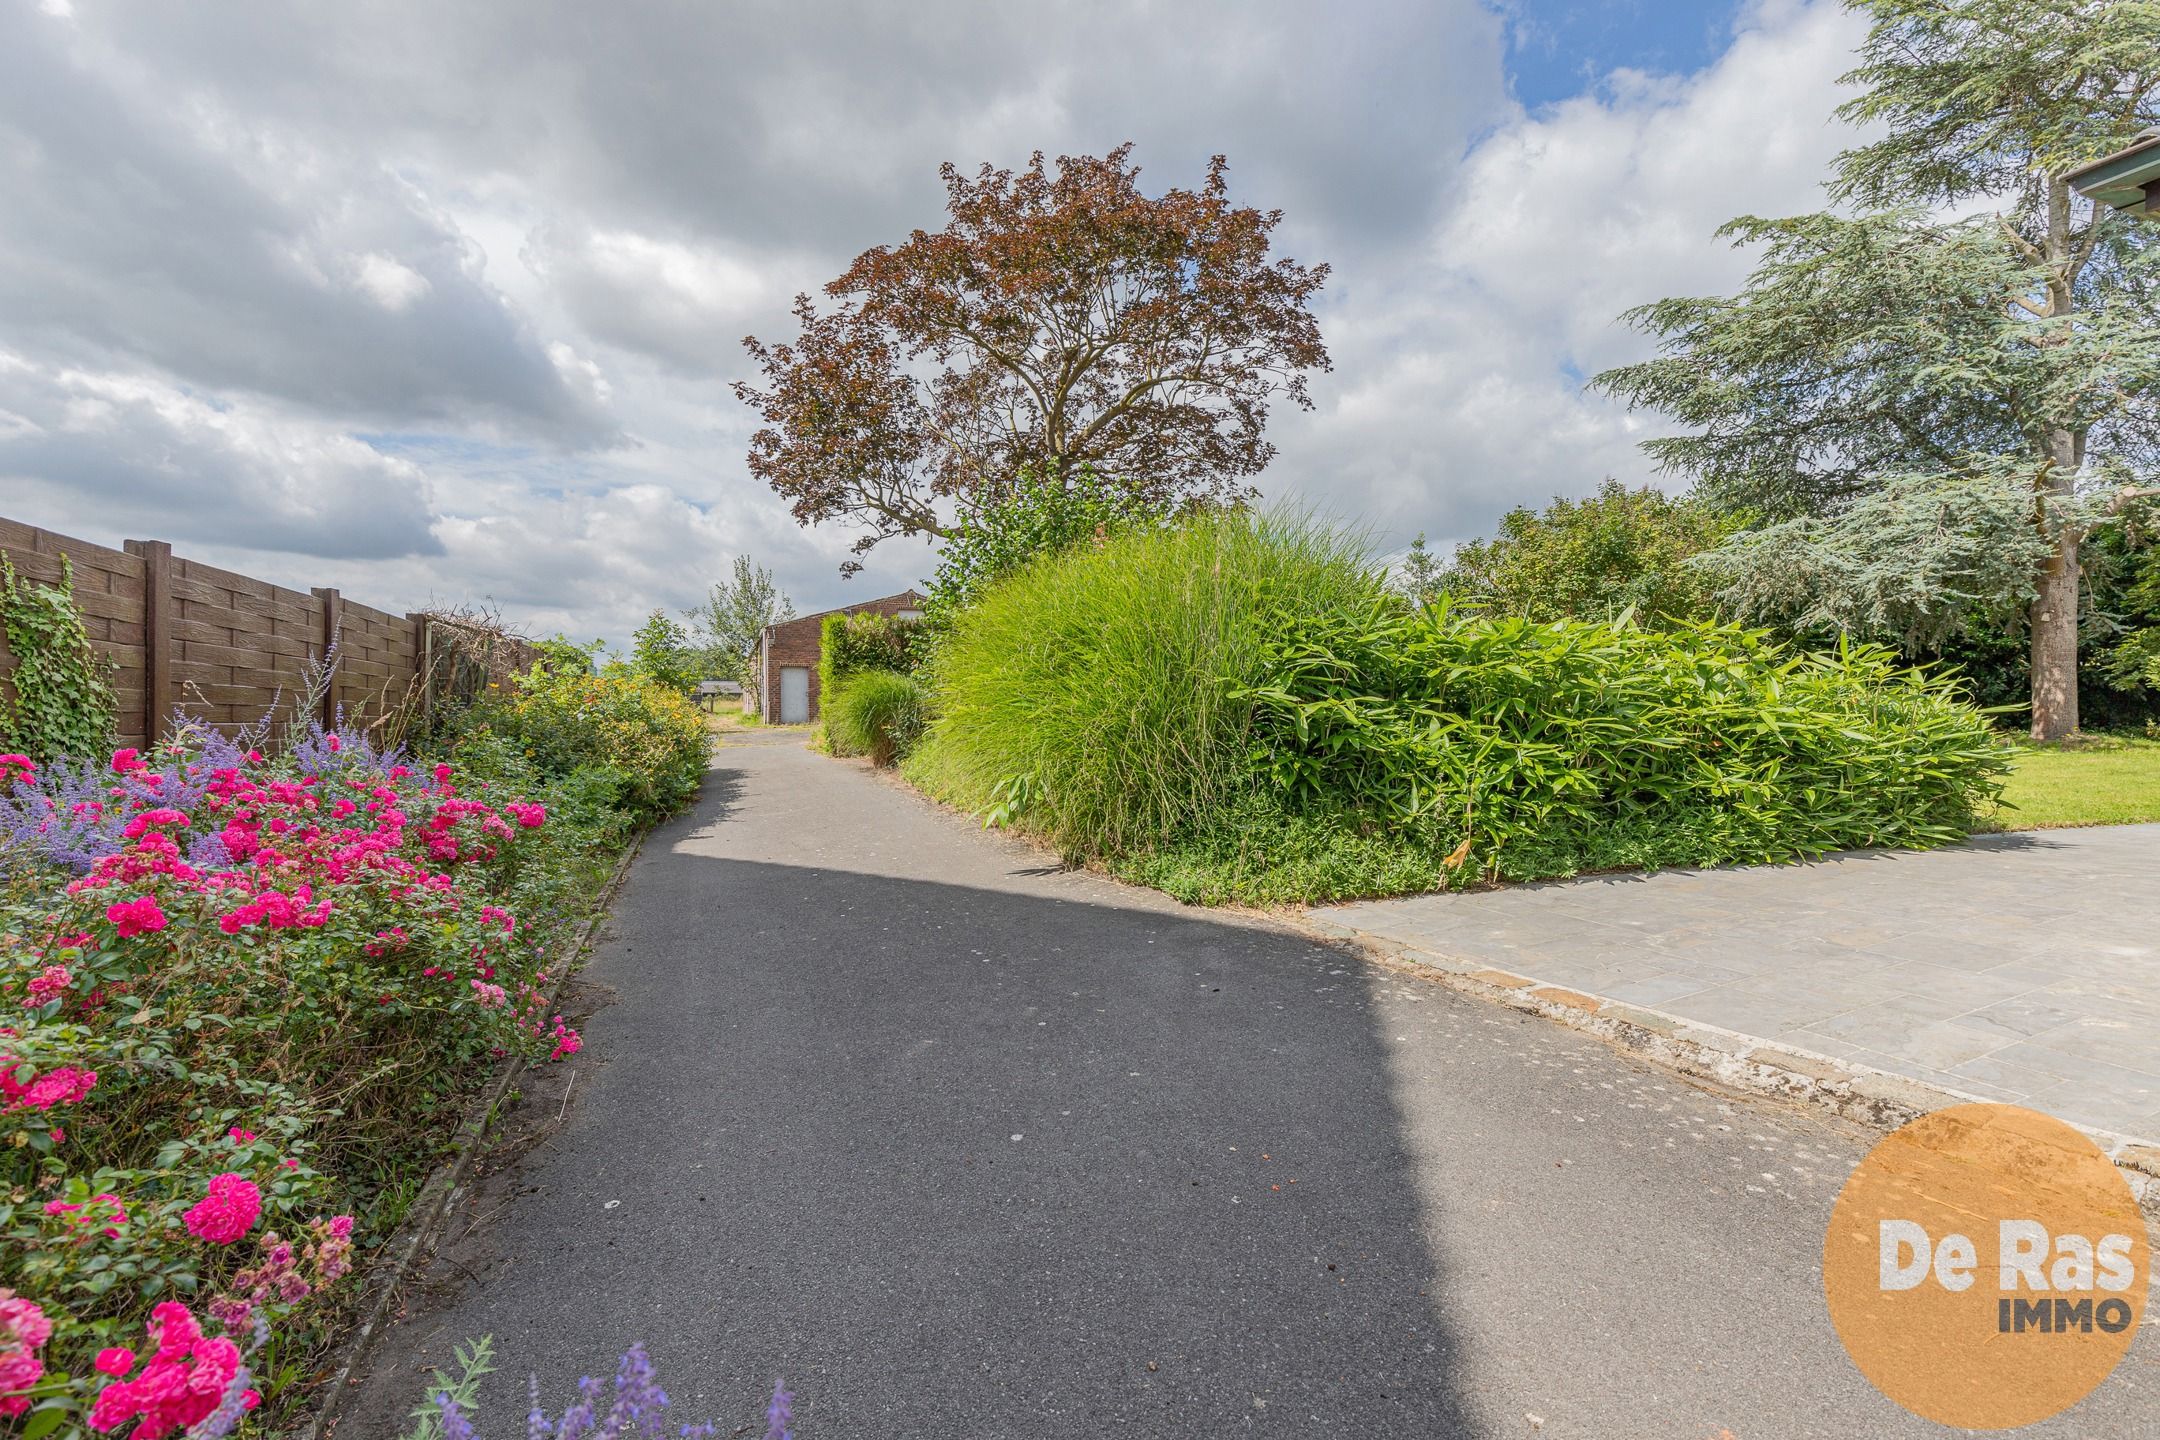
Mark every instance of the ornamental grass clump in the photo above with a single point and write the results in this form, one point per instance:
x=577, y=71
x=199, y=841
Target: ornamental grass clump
x=1099, y=688
x=1238, y=708
x=869, y=700
x=878, y=713
x=241, y=997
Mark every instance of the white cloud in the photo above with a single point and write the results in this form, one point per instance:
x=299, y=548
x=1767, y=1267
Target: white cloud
x=151, y=221
x=1457, y=390
x=393, y=286
x=455, y=319
x=686, y=305
x=105, y=450
x=578, y=372
x=1614, y=198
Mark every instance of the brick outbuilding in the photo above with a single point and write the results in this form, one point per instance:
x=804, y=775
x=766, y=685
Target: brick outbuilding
x=787, y=660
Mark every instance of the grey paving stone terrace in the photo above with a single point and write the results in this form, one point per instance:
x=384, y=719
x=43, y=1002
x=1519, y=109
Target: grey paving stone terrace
x=2019, y=967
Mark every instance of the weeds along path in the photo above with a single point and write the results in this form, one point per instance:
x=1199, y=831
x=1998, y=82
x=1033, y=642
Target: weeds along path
x=963, y=1145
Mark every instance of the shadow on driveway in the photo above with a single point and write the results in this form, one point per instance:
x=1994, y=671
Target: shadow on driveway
x=963, y=1162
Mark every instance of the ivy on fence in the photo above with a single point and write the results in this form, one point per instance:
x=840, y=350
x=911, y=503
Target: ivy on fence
x=62, y=698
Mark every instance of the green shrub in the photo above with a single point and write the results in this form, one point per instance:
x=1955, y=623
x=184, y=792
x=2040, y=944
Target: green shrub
x=860, y=644
x=649, y=743
x=661, y=652
x=565, y=656
x=1551, y=748
x=1238, y=709
x=878, y=713
x=1620, y=549
x=866, y=641
x=1037, y=512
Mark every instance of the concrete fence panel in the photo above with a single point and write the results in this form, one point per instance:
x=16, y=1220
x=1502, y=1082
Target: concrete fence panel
x=226, y=648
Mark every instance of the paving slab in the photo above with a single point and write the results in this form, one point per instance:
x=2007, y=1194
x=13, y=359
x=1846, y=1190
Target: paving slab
x=2021, y=967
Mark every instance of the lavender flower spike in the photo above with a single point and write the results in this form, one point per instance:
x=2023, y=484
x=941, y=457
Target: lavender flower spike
x=780, y=1415
x=635, y=1409
x=225, y=1419
x=455, y=1425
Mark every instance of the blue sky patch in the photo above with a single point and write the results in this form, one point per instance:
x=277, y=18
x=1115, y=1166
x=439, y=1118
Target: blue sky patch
x=1561, y=48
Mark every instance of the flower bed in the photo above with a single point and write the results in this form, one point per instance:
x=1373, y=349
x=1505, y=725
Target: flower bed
x=241, y=999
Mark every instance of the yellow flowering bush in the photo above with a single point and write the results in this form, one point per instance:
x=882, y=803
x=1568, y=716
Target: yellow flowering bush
x=649, y=741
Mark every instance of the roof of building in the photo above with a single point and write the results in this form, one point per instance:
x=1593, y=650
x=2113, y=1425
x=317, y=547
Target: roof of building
x=908, y=594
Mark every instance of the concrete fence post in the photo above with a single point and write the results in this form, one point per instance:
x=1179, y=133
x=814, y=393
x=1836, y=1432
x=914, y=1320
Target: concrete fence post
x=332, y=610
x=161, y=698
x=424, y=663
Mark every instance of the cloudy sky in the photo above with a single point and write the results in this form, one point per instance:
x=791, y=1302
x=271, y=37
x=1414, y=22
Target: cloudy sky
x=440, y=301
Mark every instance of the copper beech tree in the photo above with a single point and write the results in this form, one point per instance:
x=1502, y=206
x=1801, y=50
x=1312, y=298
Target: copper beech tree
x=1059, y=319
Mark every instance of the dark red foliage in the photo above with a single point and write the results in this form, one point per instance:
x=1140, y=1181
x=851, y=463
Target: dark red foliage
x=1058, y=319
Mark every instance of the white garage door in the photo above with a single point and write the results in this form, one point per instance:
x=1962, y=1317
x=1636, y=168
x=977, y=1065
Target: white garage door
x=794, y=695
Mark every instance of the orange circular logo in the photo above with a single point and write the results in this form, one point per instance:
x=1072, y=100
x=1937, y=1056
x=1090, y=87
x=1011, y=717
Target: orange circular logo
x=1986, y=1266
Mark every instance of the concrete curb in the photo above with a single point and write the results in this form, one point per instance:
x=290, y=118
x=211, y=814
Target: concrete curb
x=1857, y=1092
x=415, y=1240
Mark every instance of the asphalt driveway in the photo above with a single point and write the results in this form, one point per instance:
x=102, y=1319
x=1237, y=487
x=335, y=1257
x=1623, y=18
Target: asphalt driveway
x=963, y=1145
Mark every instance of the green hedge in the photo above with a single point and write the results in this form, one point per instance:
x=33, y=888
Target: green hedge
x=863, y=644
x=867, y=641
x=1236, y=708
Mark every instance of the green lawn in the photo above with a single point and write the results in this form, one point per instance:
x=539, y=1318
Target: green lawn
x=2101, y=780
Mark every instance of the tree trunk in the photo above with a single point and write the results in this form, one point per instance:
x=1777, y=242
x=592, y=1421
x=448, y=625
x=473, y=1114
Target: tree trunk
x=2054, y=645
x=2054, y=613
x=2055, y=609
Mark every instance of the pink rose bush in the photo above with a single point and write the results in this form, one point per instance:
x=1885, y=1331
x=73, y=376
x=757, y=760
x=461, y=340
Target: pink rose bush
x=217, y=969
x=188, y=1377
x=23, y=1332
x=228, y=1212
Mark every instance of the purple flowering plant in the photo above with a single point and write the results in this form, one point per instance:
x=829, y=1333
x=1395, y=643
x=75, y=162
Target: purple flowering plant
x=242, y=991
x=635, y=1407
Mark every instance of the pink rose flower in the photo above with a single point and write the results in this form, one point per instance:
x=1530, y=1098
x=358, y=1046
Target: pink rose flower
x=136, y=917
x=149, y=819
x=61, y=1085
x=50, y=984
x=227, y=1212
x=24, y=1329
x=184, y=1380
